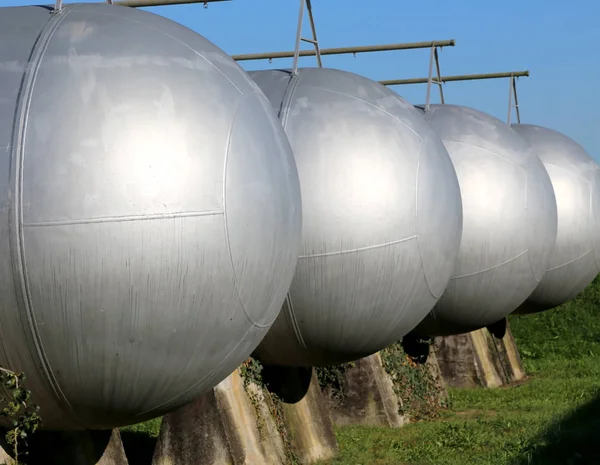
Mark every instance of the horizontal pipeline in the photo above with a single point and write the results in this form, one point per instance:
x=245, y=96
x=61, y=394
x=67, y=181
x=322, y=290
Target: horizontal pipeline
x=148, y=3
x=464, y=77
x=346, y=50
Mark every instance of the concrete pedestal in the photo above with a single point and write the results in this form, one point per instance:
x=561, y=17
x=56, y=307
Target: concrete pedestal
x=479, y=359
x=304, y=411
x=369, y=399
x=241, y=423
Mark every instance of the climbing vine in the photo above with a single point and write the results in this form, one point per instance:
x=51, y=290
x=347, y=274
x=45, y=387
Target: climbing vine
x=332, y=380
x=251, y=372
x=19, y=412
x=420, y=394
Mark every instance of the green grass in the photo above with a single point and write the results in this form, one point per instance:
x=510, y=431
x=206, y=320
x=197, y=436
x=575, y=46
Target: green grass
x=139, y=441
x=551, y=419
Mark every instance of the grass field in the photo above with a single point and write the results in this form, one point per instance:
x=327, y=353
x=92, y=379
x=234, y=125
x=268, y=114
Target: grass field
x=551, y=419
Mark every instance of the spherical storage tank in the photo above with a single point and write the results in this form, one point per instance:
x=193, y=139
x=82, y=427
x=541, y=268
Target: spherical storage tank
x=509, y=221
x=152, y=212
x=381, y=217
x=575, y=176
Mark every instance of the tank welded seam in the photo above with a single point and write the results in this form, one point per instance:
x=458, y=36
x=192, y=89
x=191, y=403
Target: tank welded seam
x=566, y=170
x=179, y=42
x=226, y=226
x=125, y=218
x=570, y=261
x=433, y=294
x=284, y=111
x=17, y=239
x=216, y=368
x=493, y=267
x=527, y=215
x=426, y=114
x=294, y=321
x=592, y=203
x=460, y=142
x=358, y=249
x=402, y=123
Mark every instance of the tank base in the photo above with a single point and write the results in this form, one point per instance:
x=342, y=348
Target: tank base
x=369, y=398
x=306, y=416
x=241, y=423
x=479, y=359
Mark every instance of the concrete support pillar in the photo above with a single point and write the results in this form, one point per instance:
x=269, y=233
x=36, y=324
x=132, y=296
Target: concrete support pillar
x=242, y=423
x=369, y=398
x=479, y=359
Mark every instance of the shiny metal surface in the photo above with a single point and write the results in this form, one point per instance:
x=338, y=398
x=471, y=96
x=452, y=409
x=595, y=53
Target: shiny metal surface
x=152, y=212
x=575, y=176
x=509, y=221
x=378, y=189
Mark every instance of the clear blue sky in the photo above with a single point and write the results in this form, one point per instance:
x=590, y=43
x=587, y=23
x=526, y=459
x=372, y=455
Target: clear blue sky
x=556, y=40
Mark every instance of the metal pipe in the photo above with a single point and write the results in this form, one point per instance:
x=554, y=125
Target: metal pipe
x=345, y=50
x=464, y=77
x=149, y=3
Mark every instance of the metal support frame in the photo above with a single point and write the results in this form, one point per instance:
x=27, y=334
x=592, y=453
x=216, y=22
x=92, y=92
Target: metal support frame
x=512, y=91
x=434, y=57
x=300, y=39
x=145, y=3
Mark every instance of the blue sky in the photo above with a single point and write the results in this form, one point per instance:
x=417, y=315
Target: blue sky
x=556, y=40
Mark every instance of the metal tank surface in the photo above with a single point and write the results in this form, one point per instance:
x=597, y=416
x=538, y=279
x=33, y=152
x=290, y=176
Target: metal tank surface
x=152, y=212
x=575, y=260
x=509, y=221
x=381, y=217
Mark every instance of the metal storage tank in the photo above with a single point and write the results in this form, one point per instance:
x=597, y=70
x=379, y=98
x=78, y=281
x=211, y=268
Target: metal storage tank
x=152, y=212
x=509, y=221
x=378, y=187
x=575, y=260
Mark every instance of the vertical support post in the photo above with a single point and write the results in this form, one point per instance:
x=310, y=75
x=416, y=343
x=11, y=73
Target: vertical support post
x=434, y=57
x=439, y=77
x=514, y=86
x=439, y=73
x=58, y=5
x=298, y=38
x=510, y=96
x=314, y=33
x=430, y=77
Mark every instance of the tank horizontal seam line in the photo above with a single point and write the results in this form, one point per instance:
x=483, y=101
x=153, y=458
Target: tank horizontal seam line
x=491, y=268
x=120, y=219
x=570, y=261
x=359, y=249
